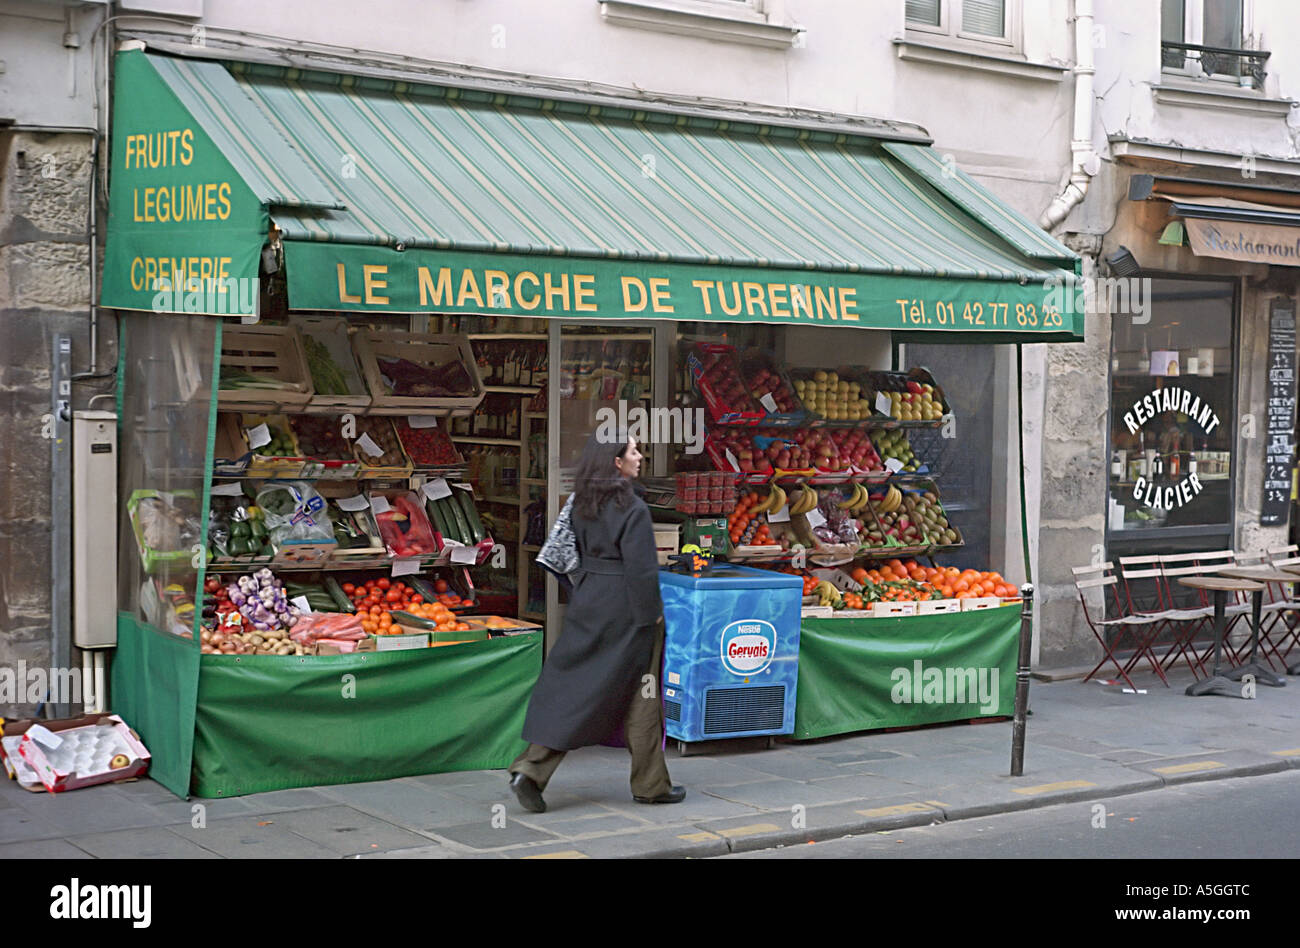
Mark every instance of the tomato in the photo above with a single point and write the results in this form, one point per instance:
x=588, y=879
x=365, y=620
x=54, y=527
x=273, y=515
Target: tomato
x=393, y=596
x=441, y=586
x=348, y=589
x=384, y=583
x=371, y=583
x=417, y=598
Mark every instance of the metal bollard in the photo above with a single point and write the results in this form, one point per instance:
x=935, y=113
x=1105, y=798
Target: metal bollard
x=1022, y=681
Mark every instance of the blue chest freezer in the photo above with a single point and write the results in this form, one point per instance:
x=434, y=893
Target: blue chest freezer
x=731, y=652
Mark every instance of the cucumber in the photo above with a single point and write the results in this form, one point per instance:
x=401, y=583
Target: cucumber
x=336, y=593
x=321, y=602
x=472, y=517
x=462, y=524
x=439, y=521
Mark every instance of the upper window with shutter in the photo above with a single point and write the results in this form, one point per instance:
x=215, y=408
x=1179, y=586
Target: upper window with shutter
x=979, y=21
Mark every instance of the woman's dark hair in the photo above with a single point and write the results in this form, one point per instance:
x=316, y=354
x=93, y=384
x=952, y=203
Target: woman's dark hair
x=597, y=480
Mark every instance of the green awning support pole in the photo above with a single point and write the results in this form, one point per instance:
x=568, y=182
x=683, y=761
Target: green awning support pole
x=1026, y=594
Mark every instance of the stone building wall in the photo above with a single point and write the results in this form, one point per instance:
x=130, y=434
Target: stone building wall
x=44, y=290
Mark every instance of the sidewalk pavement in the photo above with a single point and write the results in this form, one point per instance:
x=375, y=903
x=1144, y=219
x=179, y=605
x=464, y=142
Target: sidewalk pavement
x=1085, y=741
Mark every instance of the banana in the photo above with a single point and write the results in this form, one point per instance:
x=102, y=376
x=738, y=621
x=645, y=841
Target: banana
x=859, y=498
x=807, y=501
x=849, y=501
x=893, y=499
x=779, y=499
x=765, y=505
x=797, y=499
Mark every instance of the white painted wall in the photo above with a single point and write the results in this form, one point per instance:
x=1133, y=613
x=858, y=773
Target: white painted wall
x=1128, y=67
x=42, y=81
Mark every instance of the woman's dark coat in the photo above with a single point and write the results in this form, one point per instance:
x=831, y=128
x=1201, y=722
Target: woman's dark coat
x=609, y=632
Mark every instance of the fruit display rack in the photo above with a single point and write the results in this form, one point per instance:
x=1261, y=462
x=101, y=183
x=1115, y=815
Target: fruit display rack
x=839, y=523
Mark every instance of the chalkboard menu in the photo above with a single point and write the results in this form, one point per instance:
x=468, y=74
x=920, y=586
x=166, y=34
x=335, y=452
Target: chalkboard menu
x=1280, y=448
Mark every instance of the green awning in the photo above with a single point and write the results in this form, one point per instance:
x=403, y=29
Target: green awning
x=394, y=197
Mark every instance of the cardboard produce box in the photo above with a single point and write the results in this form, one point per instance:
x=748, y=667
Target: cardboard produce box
x=80, y=752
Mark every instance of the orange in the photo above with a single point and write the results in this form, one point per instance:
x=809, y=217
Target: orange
x=961, y=586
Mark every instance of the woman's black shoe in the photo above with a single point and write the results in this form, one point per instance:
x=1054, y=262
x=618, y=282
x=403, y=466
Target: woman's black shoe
x=528, y=793
x=675, y=795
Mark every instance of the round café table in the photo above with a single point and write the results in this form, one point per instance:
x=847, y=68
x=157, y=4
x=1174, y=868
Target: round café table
x=1294, y=570
x=1220, y=586
x=1258, y=574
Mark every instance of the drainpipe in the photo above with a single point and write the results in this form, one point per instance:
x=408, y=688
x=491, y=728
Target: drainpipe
x=1084, y=163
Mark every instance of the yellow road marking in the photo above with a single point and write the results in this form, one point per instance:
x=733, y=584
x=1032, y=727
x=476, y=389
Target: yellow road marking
x=750, y=830
x=935, y=803
x=1190, y=768
x=897, y=809
x=562, y=854
x=1293, y=752
x=697, y=837
x=1059, y=785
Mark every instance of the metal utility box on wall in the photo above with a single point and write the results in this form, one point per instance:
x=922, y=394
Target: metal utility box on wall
x=94, y=529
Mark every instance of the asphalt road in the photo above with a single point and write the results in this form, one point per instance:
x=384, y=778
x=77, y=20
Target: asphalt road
x=1242, y=818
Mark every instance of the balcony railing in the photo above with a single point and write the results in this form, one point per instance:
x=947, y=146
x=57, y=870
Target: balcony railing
x=1217, y=61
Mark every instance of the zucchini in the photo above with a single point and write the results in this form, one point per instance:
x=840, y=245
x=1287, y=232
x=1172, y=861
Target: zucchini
x=462, y=525
x=472, y=517
x=336, y=593
x=439, y=521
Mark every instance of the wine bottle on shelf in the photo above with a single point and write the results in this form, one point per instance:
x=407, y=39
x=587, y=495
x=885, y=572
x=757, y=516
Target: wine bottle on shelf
x=526, y=368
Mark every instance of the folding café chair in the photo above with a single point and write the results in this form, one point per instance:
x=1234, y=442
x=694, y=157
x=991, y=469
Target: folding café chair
x=1091, y=577
x=1285, y=622
x=1158, y=606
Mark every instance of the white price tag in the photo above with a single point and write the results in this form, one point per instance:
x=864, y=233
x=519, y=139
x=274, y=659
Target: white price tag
x=367, y=444
x=302, y=603
x=780, y=516
x=422, y=421
x=674, y=678
x=437, y=488
x=406, y=567
x=465, y=555
x=233, y=489
x=893, y=465
x=815, y=518
x=731, y=459
x=769, y=403
x=44, y=736
x=353, y=504
x=379, y=503
x=259, y=436
x=883, y=404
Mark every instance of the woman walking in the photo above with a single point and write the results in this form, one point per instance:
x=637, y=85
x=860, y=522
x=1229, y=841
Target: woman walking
x=605, y=666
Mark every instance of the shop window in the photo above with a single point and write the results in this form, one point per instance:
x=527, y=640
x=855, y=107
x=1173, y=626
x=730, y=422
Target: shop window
x=981, y=21
x=1172, y=412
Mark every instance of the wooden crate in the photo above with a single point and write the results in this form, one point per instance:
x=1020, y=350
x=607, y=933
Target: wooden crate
x=423, y=349
x=266, y=466
x=367, y=467
x=230, y=453
x=270, y=352
x=334, y=334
